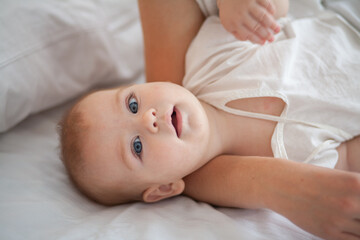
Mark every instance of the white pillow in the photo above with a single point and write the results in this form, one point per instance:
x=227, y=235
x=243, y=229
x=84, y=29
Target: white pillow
x=54, y=50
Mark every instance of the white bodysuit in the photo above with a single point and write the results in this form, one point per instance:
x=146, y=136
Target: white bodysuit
x=313, y=66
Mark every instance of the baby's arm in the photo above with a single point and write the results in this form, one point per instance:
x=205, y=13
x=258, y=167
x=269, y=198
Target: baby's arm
x=168, y=29
x=252, y=20
x=170, y=26
x=322, y=201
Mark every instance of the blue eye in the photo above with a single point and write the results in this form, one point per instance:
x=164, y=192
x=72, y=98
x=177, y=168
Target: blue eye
x=133, y=105
x=137, y=146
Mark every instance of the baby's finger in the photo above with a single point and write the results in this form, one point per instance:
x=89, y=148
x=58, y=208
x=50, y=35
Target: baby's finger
x=256, y=27
x=242, y=34
x=268, y=21
x=263, y=33
x=239, y=36
x=268, y=5
x=245, y=35
x=255, y=39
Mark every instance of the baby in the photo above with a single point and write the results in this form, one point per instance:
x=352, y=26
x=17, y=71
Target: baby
x=144, y=142
x=182, y=133
x=137, y=143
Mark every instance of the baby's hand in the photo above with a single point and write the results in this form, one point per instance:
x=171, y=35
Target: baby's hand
x=249, y=19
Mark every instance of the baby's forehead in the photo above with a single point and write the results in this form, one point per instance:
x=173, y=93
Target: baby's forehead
x=92, y=97
x=98, y=107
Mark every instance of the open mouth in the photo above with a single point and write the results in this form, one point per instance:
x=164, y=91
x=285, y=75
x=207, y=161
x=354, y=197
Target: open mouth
x=176, y=121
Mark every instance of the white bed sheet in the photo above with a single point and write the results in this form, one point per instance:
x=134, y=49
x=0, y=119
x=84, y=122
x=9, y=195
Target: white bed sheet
x=37, y=200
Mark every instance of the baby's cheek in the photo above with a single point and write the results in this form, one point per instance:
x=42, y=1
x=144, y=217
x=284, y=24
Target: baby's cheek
x=172, y=154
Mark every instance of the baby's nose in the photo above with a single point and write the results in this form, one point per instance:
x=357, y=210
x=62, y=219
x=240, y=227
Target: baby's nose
x=149, y=120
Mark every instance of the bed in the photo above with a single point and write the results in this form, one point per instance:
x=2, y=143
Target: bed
x=53, y=52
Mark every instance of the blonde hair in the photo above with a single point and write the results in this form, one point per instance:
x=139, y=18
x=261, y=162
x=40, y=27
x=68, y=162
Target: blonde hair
x=72, y=131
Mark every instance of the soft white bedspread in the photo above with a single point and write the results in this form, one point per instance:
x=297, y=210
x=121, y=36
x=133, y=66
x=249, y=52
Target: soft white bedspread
x=37, y=200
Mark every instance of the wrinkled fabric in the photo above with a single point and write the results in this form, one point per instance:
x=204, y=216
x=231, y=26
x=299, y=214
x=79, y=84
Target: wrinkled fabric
x=313, y=66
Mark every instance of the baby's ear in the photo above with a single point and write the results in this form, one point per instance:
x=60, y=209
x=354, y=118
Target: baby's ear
x=158, y=192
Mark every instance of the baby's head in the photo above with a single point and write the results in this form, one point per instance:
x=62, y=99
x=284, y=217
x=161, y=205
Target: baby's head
x=134, y=143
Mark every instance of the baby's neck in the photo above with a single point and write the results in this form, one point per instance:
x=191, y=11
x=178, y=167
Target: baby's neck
x=221, y=137
x=237, y=135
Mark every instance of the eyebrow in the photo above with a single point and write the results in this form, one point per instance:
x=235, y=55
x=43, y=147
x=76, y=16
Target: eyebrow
x=122, y=150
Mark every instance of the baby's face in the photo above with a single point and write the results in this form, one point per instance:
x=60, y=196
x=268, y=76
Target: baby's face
x=153, y=133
